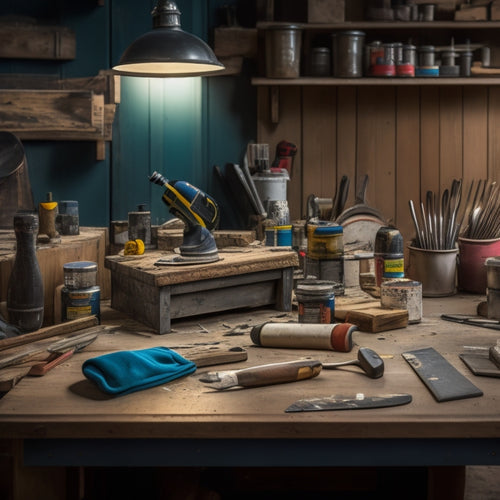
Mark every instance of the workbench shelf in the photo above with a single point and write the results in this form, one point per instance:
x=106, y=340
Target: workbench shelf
x=373, y=81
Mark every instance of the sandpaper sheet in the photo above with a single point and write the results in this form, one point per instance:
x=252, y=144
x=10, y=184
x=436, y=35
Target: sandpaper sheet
x=444, y=381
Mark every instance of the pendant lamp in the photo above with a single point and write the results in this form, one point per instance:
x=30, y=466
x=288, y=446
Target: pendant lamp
x=167, y=50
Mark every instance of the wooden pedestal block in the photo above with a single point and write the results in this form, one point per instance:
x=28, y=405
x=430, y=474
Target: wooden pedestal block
x=157, y=294
x=89, y=245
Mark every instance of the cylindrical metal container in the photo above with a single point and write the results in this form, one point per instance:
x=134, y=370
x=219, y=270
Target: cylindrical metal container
x=472, y=256
x=403, y=294
x=283, y=50
x=324, y=240
x=81, y=274
x=316, y=299
x=426, y=55
x=388, y=255
x=80, y=303
x=493, y=302
x=139, y=225
x=68, y=220
x=348, y=54
x=435, y=269
x=493, y=272
x=321, y=62
x=465, y=63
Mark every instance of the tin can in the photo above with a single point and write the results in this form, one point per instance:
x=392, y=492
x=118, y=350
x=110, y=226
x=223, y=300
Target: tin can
x=325, y=240
x=348, y=54
x=283, y=48
x=388, y=255
x=80, y=303
x=316, y=299
x=403, y=294
x=68, y=219
x=321, y=60
x=81, y=274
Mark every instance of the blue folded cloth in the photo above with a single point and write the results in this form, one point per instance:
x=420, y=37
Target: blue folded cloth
x=124, y=372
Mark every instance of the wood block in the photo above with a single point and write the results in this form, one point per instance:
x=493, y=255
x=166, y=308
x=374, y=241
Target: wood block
x=235, y=42
x=168, y=239
x=30, y=41
x=90, y=244
x=326, y=11
x=477, y=13
x=495, y=10
x=376, y=319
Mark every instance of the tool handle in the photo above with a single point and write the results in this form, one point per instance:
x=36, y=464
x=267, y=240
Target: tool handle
x=41, y=369
x=278, y=373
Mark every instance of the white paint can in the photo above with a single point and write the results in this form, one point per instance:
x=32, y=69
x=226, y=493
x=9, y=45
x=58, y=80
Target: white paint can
x=403, y=294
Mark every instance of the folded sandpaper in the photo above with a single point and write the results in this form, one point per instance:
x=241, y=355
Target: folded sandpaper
x=444, y=381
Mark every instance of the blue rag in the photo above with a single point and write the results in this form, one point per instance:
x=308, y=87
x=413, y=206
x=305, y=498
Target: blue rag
x=124, y=372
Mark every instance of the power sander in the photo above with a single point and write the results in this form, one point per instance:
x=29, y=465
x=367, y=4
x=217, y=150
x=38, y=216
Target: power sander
x=200, y=214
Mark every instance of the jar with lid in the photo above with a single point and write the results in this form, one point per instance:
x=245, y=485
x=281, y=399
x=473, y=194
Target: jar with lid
x=320, y=61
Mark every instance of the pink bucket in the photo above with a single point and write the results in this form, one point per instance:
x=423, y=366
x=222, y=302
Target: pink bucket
x=472, y=255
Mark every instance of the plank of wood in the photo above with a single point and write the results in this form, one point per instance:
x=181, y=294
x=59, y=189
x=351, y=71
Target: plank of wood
x=31, y=41
x=50, y=331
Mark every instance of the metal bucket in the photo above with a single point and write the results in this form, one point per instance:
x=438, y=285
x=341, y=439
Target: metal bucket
x=472, y=255
x=283, y=47
x=435, y=269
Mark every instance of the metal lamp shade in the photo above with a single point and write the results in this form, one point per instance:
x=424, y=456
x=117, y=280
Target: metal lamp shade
x=167, y=50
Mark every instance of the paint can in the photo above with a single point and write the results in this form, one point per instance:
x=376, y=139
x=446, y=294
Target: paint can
x=348, y=54
x=316, y=299
x=68, y=219
x=284, y=236
x=271, y=186
x=388, y=255
x=324, y=240
x=403, y=294
x=81, y=274
x=331, y=270
x=80, y=303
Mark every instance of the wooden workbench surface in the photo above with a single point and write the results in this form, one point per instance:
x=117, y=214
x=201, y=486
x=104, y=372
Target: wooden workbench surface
x=64, y=403
x=233, y=261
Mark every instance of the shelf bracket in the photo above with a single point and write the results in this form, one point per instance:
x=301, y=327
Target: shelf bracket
x=274, y=103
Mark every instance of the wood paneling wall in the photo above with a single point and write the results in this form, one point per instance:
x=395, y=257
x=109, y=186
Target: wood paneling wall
x=407, y=139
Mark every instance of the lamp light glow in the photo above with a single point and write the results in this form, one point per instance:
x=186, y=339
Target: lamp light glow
x=167, y=50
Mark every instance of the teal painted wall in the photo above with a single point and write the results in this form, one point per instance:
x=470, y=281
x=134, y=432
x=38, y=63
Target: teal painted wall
x=180, y=127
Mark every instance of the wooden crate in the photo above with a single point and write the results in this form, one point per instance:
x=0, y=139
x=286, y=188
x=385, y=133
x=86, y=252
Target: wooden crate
x=241, y=279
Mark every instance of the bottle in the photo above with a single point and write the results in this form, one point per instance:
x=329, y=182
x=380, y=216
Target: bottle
x=388, y=255
x=25, y=288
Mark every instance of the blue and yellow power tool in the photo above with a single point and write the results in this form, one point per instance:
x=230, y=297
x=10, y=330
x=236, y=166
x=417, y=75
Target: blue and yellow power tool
x=200, y=214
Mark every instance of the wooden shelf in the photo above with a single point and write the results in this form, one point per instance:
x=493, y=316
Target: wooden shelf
x=44, y=108
x=389, y=25
x=372, y=81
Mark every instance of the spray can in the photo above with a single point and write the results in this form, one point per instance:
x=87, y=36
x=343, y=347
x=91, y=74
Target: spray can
x=388, y=255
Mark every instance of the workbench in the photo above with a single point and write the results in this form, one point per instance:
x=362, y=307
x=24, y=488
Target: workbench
x=63, y=420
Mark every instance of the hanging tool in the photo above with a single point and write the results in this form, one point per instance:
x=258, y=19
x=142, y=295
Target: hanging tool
x=340, y=198
x=368, y=360
x=357, y=402
x=200, y=214
x=285, y=152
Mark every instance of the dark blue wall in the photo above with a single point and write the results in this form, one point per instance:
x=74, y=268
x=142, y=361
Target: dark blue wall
x=180, y=127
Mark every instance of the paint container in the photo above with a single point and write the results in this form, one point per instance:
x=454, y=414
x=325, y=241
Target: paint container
x=80, y=303
x=331, y=270
x=403, y=294
x=493, y=302
x=325, y=240
x=81, y=274
x=284, y=236
x=388, y=255
x=68, y=219
x=271, y=186
x=283, y=48
x=471, y=269
x=435, y=269
x=316, y=299
x=493, y=272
